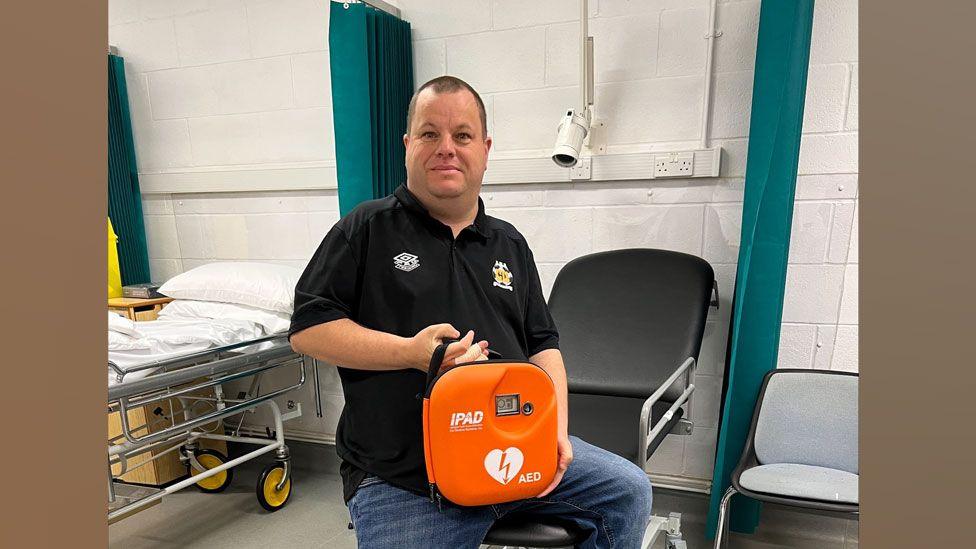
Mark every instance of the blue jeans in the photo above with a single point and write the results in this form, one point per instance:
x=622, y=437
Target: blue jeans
x=601, y=492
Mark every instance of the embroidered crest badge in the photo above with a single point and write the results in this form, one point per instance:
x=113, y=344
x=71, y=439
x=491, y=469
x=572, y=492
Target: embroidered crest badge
x=503, y=276
x=406, y=262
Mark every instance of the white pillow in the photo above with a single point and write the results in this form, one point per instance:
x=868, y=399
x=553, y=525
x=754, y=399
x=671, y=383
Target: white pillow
x=261, y=285
x=183, y=309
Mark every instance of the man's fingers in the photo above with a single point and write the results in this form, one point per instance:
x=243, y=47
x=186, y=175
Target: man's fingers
x=565, y=450
x=445, y=331
x=552, y=485
x=471, y=355
x=458, y=348
x=465, y=350
x=461, y=347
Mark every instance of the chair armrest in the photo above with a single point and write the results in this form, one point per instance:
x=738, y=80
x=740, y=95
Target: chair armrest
x=644, y=437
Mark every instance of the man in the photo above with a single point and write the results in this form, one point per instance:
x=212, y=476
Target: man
x=391, y=280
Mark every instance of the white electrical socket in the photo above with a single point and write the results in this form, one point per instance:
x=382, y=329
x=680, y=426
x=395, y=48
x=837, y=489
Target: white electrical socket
x=582, y=169
x=674, y=164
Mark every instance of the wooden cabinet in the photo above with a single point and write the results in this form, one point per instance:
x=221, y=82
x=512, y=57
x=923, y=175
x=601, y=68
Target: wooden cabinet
x=154, y=416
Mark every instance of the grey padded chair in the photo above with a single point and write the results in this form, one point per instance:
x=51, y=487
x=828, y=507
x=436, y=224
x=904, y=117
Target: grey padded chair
x=802, y=445
x=630, y=326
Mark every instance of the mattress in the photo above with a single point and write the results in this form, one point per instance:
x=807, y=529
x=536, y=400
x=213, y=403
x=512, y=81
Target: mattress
x=134, y=344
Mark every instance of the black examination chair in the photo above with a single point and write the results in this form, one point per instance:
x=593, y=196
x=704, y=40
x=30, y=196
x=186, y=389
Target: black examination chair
x=630, y=326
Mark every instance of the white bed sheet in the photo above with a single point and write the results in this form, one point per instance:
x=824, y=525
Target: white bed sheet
x=165, y=339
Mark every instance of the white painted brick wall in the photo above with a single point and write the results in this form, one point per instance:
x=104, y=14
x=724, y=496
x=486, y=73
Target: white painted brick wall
x=296, y=135
x=218, y=82
x=161, y=236
x=834, y=37
x=845, y=349
x=150, y=45
x=439, y=18
x=562, y=55
x=625, y=48
x=429, y=60
x=523, y=120
x=511, y=197
x=824, y=351
x=499, y=61
x=612, y=8
x=840, y=233
x=288, y=26
x=259, y=93
x=226, y=88
x=673, y=227
x=797, y=343
x=664, y=109
x=518, y=13
x=230, y=139
x=312, y=79
x=723, y=225
x=848, y=303
x=809, y=235
x=826, y=187
x=711, y=359
x=739, y=23
x=852, y=113
x=555, y=234
x=825, y=106
x=731, y=104
x=828, y=153
x=682, y=52
x=199, y=42
x=813, y=293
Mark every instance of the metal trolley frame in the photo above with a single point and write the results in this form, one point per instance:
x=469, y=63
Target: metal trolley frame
x=181, y=379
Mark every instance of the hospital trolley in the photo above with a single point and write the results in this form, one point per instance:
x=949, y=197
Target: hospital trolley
x=192, y=386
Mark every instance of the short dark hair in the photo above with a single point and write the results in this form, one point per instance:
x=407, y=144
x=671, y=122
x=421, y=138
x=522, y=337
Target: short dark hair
x=449, y=84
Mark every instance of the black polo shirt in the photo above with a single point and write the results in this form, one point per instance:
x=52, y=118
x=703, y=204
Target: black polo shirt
x=389, y=266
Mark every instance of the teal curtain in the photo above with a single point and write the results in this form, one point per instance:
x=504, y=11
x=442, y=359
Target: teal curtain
x=779, y=88
x=372, y=81
x=124, y=199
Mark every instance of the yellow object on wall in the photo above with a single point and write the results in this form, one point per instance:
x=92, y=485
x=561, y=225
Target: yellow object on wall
x=114, y=273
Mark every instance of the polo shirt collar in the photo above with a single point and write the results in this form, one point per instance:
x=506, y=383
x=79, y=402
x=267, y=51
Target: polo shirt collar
x=411, y=203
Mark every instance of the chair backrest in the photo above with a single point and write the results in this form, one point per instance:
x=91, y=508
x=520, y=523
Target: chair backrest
x=808, y=417
x=628, y=318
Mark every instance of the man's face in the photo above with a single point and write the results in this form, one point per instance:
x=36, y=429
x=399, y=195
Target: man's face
x=447, y=152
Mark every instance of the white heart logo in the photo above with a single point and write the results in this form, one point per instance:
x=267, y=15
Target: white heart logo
x=504, y=465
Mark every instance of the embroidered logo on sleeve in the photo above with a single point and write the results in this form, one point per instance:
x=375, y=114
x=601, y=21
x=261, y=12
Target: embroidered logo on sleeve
x=503, y=276
x=406, y=262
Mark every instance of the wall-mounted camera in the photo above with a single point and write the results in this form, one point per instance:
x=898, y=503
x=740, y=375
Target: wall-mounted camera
x=575, y=124
x=573, y=129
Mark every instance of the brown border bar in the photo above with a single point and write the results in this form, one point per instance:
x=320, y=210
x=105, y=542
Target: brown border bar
x=54, y=154
x=918, y=166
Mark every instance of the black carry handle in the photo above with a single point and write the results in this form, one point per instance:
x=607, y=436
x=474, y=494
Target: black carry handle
x=435, y=362
x=438, y=357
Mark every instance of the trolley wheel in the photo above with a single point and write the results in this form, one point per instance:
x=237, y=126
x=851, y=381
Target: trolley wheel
x=216, y=483
x=270, y=498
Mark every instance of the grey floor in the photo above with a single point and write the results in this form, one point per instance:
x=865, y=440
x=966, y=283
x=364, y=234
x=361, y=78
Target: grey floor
x=316, y=517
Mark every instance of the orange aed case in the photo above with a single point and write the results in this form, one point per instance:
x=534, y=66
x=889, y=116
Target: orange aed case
x=489, y=431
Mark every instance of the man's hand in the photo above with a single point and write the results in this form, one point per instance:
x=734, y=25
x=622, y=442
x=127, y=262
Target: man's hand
x=465, y=350
x=551, y=360
x=564, y=458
